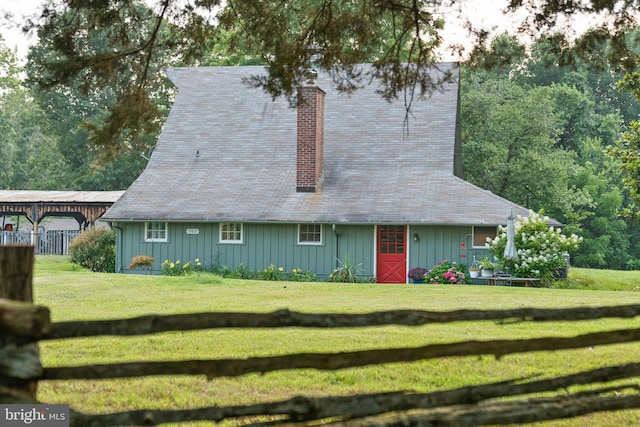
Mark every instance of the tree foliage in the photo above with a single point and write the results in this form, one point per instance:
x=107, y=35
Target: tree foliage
x=28, y=155
x=627, y=148
x=609, y=22
x=537, y=134
x=120, y=47
x=106, y=60
x=114, y=44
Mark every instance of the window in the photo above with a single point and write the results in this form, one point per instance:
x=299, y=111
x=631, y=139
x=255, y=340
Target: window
x=310, y=234
x=155, y=231
x=230, y=232
x=481, y=234
x=391, y=239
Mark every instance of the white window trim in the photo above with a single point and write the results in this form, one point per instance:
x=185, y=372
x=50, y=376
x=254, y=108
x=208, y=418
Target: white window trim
x=146, y=232
x=231, y=242
x=310, y=243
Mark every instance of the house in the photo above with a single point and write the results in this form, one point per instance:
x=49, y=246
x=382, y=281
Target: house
x=239, y=178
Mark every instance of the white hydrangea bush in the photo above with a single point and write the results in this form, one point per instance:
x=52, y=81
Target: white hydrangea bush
x=541, y=247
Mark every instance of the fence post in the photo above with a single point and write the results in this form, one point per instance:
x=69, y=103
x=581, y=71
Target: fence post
x=16, y=283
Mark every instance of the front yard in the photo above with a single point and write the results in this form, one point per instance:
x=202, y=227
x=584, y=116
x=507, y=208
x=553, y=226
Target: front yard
x=73, y=295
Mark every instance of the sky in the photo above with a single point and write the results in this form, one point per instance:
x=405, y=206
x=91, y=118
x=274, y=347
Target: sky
x=14, y=38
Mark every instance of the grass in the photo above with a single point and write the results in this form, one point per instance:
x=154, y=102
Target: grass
x=74, y=294
x=591, y=279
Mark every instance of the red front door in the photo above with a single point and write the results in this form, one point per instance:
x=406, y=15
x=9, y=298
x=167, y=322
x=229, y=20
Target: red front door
x=392, y=254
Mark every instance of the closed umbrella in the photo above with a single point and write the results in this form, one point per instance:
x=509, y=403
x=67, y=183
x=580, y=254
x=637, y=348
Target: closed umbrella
x=510, y=250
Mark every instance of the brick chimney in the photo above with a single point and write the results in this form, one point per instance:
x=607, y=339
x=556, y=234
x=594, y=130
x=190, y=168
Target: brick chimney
x=310, y=137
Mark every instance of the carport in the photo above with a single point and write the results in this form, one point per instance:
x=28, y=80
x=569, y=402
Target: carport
x=86, y=207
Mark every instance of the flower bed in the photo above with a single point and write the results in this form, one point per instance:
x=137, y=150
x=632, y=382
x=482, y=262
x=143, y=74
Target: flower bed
x=447, y=272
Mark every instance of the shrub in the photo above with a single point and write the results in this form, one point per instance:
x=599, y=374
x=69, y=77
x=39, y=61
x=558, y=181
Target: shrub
x=298, y=275
x=346, y=272
x=447, y=272
x=269, y=273
x=417, y=273
x=272, y=273
x=540, y=247
x=95, y=249
x=240, y=272
x=141, y=261
x=177, y=268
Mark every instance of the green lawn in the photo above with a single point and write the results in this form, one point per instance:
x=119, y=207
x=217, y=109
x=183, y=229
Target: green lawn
x=74, y=294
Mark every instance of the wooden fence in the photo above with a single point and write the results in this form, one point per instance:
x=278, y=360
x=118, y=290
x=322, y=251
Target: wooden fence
x=24, y=324
x=50, y=242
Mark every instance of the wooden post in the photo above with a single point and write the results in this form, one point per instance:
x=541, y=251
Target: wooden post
x=16, y=273
x=16, y=283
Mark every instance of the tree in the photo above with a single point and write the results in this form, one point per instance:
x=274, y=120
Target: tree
x=28, y=157
x=399, y=37
x=98, y=71
x=509, y=135
x=79, y=112
x=627, y=148
x=577, y=183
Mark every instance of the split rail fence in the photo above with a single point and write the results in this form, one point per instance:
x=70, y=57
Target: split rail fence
x=522, y=400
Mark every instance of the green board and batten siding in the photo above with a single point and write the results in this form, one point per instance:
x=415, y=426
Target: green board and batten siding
x=439, y=243
x=265, y=244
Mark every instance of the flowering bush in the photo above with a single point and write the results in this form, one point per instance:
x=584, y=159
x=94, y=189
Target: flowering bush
x=541, y=247
x=268, y=273
x=447, y=272
x=417, y=273
x=272, y=273
x=177, y=268
x=299, y=275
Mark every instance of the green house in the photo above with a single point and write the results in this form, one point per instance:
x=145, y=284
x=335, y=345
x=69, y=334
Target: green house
x=239, y=178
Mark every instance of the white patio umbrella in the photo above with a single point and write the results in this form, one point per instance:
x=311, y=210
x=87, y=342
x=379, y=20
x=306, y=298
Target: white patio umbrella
x=510, y=250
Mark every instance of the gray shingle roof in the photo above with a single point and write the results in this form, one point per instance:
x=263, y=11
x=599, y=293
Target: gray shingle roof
x=377, y=168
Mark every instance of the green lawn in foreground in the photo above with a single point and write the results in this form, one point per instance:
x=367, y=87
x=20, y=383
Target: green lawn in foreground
x=74, y=294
